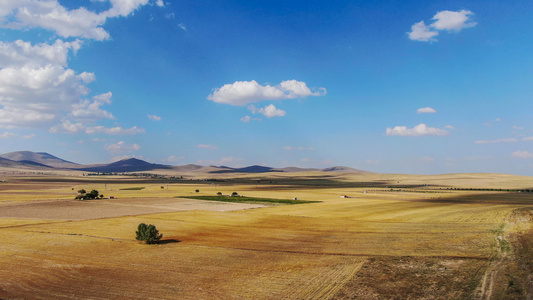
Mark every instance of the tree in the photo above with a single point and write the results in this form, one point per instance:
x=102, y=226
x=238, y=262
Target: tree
x=234, y=194
x=219, y=193
x=148, y=233
x=197, y=191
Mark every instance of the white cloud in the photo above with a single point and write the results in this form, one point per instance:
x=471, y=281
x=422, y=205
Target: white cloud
x=173, y=158
x=6, y=135
x=37, y=88
x=29, y=136
x=451, y=21
x=242, y=93
x=510, y=140
x=205, y=146
x=449, y=127
x=51, y=15
x=426, y=110
x=269, y=111
x=122, y=147
x=522, y=154
x=154, y=118
x=518, y=127
x=160, y=3
x=114, y=130
x=529, y=138
x=421, y=32
x=182, y=26
x=246, y=119
x=69, y=127
x=418, y=130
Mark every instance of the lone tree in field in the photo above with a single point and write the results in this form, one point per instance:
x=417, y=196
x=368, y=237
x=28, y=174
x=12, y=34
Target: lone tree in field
x=148, y=233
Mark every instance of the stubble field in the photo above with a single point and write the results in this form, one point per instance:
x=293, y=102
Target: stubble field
x=395, y=237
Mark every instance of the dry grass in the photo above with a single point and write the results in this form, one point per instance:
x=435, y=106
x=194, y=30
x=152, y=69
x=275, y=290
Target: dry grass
x=375, y=245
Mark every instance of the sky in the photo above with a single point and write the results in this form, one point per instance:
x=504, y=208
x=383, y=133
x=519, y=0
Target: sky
x=390, y=86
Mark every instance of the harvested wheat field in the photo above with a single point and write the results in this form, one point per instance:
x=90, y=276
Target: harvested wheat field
x=393, y=237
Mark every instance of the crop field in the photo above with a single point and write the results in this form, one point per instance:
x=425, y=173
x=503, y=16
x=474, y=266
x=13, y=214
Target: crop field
x=391, y=237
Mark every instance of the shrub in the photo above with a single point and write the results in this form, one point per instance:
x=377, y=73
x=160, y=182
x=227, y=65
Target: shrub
x=219, y=193
x=197, y=191
x=148, y=233
x=234, y=194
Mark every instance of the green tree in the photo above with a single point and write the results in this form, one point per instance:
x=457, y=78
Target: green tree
x=148, y=233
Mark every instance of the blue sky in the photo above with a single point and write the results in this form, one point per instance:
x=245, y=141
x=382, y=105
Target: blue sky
x=424, y=87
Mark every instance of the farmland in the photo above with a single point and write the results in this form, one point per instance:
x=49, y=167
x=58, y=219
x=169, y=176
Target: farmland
x=393, y=237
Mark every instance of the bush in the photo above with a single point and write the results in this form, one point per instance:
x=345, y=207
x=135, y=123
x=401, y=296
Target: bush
x=148, y=233
x=83, y=195
x=219, y=193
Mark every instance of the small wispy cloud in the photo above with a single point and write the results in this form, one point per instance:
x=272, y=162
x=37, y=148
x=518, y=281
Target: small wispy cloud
x=522, y=154
x=7, y=135
x=154, y=118
x=426, y=110
x=510, y=140
x=291, y=148
x=269, y=111
x=418, y=130
x=122, y=147
x=182, y=26
x=207, y=146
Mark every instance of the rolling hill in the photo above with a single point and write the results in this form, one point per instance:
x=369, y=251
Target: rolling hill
x=28, y=159
x=41, y=159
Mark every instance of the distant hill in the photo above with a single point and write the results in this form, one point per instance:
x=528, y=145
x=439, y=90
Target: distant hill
x=40, y=159
x=7, y=163
x=343, y=169
x=125, y=165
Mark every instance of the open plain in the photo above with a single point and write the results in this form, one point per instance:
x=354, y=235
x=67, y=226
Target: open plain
x=456, y=236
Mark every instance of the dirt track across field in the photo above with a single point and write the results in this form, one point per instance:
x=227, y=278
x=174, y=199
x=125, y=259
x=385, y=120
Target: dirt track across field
x=97, y=209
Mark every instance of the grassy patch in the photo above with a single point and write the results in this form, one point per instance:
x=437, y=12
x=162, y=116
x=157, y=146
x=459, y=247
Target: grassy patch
x=240, y=199
x=133, y=189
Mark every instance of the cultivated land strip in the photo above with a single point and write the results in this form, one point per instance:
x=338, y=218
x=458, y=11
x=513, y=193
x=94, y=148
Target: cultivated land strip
x=373, y=246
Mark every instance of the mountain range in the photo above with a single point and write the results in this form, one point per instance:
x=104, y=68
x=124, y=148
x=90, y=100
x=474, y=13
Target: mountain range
x=43, y=160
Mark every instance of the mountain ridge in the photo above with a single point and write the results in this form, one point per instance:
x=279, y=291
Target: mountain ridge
x=28, y=159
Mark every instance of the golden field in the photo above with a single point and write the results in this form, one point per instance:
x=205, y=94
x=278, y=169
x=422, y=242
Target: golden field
x=395, y=237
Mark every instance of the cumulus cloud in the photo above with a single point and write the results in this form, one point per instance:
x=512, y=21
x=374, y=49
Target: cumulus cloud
x=37, y=88
x=122, y=147
x=510, y=140
x=522, y=154
x=451, y=21
x=160, y=3
x=449, y=127
x=51, y=15
x=421, y=32
x=426, y=110
x=418, y=130
x=269, y=111
x=246, y=119
x=241, y=93
x=154, y=118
